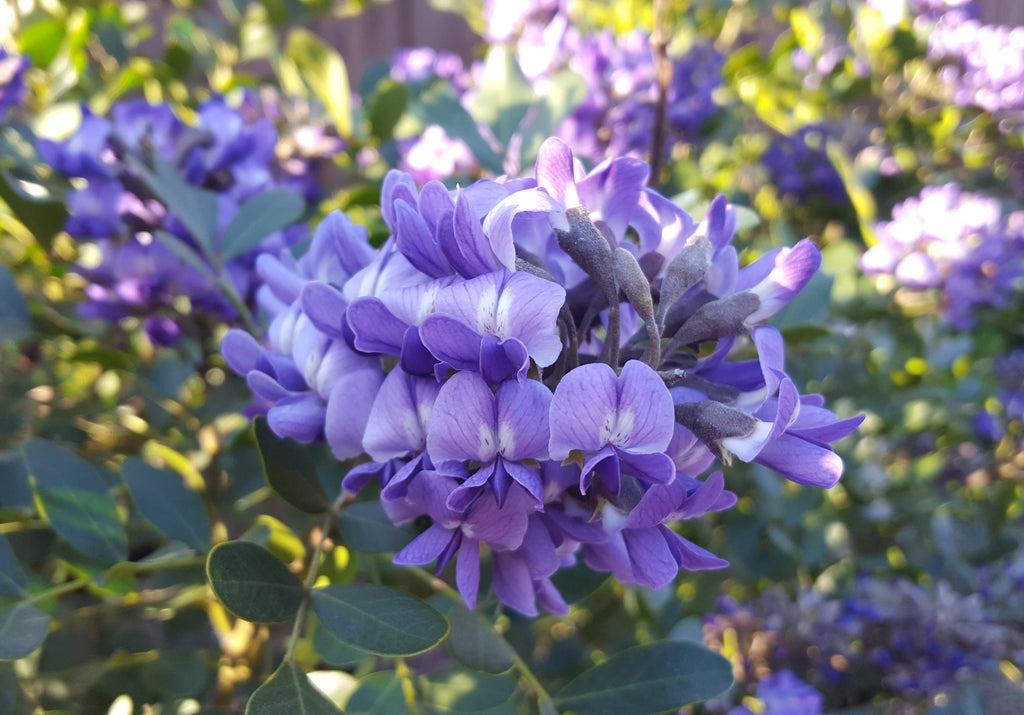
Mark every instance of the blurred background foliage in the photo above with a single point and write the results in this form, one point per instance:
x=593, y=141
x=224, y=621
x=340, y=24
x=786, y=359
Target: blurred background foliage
x=899, y=590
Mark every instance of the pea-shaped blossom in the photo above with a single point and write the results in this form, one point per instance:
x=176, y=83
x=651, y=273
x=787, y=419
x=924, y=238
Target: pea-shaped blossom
x=618, y=424
x=498, y=429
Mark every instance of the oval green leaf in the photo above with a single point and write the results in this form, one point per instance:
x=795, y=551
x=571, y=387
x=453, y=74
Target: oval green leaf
x=289, y=470
x=460, y=692
x=15, y=320
x=379, y=620
x=88, y=521
x=167, y=503
x=648, y=679
x=22, y=628
x=378, y=694
x=475, y=644
x=252, y=584
x=13, y=581
x=289, y=692
x=259, y=217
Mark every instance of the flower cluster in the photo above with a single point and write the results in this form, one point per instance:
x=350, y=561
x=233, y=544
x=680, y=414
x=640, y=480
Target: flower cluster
x=892, y=634
x=1009, y=369
x=783, y=693
x=541, y=367
x=982, y=64
x=12, y=80
x=227, y=150
x=798, y=168
x=617, y=116
x=955, y=242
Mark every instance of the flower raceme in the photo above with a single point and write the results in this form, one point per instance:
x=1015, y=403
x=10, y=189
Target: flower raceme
x=539, y=366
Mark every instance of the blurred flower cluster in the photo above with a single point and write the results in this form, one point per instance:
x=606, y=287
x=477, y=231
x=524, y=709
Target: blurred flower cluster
x=983, y=65
x=799, y=165
x=884, y=634
x=520, y=370
x=229, y=151
x=958, y=243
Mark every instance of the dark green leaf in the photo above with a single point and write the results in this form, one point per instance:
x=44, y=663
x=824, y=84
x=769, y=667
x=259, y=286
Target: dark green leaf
x=177, y=674
x=15, y=320
x=336, y=652
x=12, y=697
x=259, y=217
x=88, y=521
x=461, y=692
x=325, y=71
x=289, y=692
x=289, y=470
x=51, y=465
x=366, y=528
x=22, y=628
x=386, y=107
x=13, y=581
x=252, y=584
x=475, y=644
x=377, y=694
x=379, y=620
x=44, y=217
x=194, y=207
x=648, y=679
x=164, y=500
x=15, y=492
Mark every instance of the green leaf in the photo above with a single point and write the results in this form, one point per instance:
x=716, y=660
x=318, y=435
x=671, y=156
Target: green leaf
x=252, y=584
x=475, y=644
x=289, y=470
x=289, y=692
x=461, y=692
x=336, y=652
x=325, y=72
x=167, y=503
x=379, y=620
x=22, y=628
x=88, y=520
x=194, y=207
x=566, y=92
x=439, y=106
x=366, y=528
x=505, y=93
x=177, y=674
x=259, y=217
x=12, y=697
x=648, y=679
x=15, y=320
x=377, y=694
x=185, y=253
x=44, y=217
x=13, y=581
x=42, y=40
x=385, y=107
x=52, y=465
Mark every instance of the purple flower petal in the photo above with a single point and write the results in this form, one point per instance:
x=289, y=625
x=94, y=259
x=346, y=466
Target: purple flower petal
x=463, y=421
x=555, y=172
x=467, y=571
x=652, y=560
x=512, y=583
x=801, y=461
x=397, y=421
x=300, y=417
x=376, y=328
x=348, y=408
x=241, y=351
x=417, y=242
x=645, y=412
x=583, y=409
x=522, y=420
x=426, y=547
x=325, y=307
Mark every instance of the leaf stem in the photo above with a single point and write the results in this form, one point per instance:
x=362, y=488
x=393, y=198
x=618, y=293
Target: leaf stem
x=60, y=590
x=311, y=574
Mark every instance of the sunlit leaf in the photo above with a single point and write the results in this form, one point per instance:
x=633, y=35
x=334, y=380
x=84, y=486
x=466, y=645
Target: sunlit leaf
x=379, y=620
x=194, y=207
x=650, y=678
x=325, y=72
x=164, y=500
x=44, y=217
x=336, y=652
x=252, y=584
x=88, y=520
x=22, y=628
x=505, y=93
x=289, y=692
x=289, y=470
x=259, y=217
x=439, y=106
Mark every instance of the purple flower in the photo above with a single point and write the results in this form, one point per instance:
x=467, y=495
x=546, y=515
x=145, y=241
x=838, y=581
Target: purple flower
x=12, y=80
x=616, y=424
